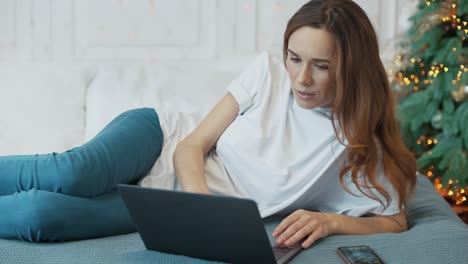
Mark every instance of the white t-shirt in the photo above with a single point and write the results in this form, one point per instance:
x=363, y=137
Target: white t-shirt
x=275, y=152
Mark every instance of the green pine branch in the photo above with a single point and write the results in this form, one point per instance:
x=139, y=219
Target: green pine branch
x=432, y=109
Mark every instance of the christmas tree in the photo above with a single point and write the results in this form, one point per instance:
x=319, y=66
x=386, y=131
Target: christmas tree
x=432, y=93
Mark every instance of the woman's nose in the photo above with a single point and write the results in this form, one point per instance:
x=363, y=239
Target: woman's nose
x=305, y=77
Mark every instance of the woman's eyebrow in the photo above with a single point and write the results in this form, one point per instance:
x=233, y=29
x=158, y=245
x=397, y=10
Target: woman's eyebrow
x=313, y=59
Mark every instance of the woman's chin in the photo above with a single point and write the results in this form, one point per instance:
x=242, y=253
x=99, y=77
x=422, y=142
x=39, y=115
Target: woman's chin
x=305, y=104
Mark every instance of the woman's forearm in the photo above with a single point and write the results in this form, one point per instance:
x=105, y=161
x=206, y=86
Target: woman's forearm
x=189, y=168
x=311, y=226
x=349, y=225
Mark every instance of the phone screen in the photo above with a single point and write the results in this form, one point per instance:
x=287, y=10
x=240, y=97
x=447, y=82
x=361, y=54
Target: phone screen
x=359, y=255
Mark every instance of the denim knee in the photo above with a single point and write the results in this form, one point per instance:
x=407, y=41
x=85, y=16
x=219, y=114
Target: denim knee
x=38, y=215
x=25, y=218
x=150, y=116
x=123, y=152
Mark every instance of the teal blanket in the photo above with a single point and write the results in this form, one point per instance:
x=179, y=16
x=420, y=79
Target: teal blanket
x=435, y=235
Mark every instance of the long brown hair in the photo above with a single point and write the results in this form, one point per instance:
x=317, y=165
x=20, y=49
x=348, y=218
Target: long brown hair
x=363, y=107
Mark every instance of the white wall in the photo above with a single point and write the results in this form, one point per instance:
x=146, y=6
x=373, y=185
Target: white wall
x=49, y=48
x=89, y=30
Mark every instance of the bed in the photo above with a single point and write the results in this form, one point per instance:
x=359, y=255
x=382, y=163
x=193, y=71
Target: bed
x=435, y=235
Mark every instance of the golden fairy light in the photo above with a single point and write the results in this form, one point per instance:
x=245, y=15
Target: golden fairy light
x=407, y=81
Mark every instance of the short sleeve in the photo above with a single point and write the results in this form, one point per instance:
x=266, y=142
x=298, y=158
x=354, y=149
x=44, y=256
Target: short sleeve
x=247, y=86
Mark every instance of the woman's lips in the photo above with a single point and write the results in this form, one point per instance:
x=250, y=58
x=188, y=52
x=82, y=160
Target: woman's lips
x=304, y=96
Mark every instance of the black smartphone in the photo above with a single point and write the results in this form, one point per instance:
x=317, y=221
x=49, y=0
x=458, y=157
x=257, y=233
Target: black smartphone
x=359, y=255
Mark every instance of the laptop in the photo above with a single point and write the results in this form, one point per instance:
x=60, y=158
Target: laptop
x=218, y=228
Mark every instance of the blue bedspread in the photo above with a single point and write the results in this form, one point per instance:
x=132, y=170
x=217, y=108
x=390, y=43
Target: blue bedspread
x=436, y=235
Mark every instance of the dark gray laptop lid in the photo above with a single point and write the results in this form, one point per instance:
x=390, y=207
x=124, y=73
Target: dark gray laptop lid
x=203, y=226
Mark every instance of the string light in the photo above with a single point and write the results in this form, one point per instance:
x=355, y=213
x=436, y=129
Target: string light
x=455, y=192
x=414, y=74
x=459, y=201
x=407, y=81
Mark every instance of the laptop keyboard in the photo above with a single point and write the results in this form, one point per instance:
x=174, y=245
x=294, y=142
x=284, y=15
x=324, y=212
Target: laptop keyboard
x=280, y=251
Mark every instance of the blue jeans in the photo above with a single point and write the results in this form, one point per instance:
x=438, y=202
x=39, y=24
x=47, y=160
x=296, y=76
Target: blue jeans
x=71, y=195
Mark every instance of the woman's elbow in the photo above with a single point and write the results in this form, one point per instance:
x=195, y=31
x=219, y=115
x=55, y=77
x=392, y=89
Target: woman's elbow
x=398, y=222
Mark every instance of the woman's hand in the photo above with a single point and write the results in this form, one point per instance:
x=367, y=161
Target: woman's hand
x=312, y=226
x=300, y=225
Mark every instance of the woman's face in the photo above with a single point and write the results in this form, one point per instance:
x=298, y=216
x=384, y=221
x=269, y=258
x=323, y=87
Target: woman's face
x=308, y=59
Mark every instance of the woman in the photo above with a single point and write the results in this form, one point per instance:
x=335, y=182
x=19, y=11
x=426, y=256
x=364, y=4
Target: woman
x=312, y=136
x=271, y=142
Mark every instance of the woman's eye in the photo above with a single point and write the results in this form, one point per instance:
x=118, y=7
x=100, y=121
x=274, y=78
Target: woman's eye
x=295, y=60
x=322, y=67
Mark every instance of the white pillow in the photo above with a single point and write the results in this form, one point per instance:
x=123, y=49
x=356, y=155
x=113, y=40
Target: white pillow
x=193, y=87
x=41, y=106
